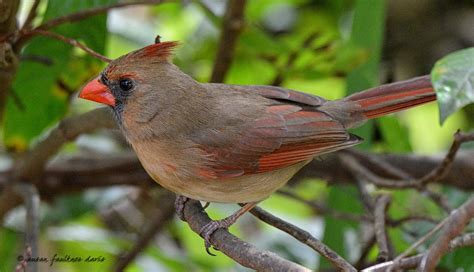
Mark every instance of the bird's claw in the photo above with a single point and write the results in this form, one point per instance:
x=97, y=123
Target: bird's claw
x=179, y=206
x=210, y=228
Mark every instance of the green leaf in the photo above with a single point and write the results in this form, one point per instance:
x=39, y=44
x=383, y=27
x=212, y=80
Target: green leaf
x=42, y=101
x=453, y=80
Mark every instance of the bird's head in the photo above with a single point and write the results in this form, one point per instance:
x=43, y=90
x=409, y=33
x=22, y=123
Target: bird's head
x=130, y=76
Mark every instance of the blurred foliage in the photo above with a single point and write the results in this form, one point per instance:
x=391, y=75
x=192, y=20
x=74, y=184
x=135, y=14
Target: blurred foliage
x=42, y=88
x=366, y=33
x=323, y=47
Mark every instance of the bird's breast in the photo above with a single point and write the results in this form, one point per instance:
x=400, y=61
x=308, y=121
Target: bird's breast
x=173, y=168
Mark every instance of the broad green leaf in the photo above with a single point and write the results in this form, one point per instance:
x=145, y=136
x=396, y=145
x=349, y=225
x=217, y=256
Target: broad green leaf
x=453, y=80
x=42, y=101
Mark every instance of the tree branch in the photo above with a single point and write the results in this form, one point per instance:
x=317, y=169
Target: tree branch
x=70, y=41
x=304, y=237
x=31, y=15
x=233, y=25
x=30, y=166
x=455, y=224
x=8, y=58
x=22, y=37
x=240, y=251
x=381, y=205
x=412, y=262
x=444, y=167
x=165, y=213
x=69, y=18
x=30, y=196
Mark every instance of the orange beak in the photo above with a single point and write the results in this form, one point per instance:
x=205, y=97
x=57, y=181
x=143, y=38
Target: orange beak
x=98, y=92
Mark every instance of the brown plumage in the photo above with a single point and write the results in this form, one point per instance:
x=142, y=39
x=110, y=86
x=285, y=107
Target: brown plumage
x=230, y=143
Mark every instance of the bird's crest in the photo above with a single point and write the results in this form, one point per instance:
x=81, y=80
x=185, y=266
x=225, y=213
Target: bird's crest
x=160, y=50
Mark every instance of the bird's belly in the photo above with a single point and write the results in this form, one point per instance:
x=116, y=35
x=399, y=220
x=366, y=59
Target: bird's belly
x=244, y=189
x=179, y=178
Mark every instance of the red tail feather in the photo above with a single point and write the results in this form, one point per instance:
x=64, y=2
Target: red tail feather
x=394, y=97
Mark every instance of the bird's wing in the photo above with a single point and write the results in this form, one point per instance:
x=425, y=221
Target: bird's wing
x=273, y=92
x=287, y=133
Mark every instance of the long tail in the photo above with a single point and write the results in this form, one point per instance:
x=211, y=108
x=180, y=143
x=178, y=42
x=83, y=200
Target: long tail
x=382, y=100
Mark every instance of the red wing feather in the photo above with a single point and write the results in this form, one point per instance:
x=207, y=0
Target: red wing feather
x=285, y=135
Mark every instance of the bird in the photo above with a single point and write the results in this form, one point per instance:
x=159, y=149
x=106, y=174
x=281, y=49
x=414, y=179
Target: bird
x=225, y=143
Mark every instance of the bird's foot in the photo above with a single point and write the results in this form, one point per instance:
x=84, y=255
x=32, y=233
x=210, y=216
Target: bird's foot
x=225, y=223
x=179, y=206
x=214, y=225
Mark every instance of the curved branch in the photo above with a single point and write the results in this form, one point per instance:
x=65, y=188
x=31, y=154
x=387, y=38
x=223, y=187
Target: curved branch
x=19, y=40
x=455, y=224
x=304, y=237
x=32, y=163
x=412, y=262
x=67, y=40
x=69, y=18
x=240, y=251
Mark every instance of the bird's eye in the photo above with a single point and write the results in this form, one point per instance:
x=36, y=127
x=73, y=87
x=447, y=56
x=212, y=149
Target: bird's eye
x=126, y=84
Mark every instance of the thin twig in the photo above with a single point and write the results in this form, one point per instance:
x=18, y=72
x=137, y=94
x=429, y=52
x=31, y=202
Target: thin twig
x=443, y=169
x=304, y=237
x=70, y=41
x=215, y=19
x=365, y=196
x=23, y=260
x=366, y=248
x=433, y=176
x=31, y=198
x=417, y=244
x=462, y=241
x=158, y=221
x=409, y=218
x=466, y=240
x=361, y=172
x=456, y=223
x=233, y=25
x=381, y=205
x=438, y=199
x=31, y=15
x=387, y=168
x=395, y=172
x=20, y=38
x=321, y=208
x=69, y=18
x=293, y=56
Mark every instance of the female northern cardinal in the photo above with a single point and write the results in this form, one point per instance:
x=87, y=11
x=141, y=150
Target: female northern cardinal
x=230, y=143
